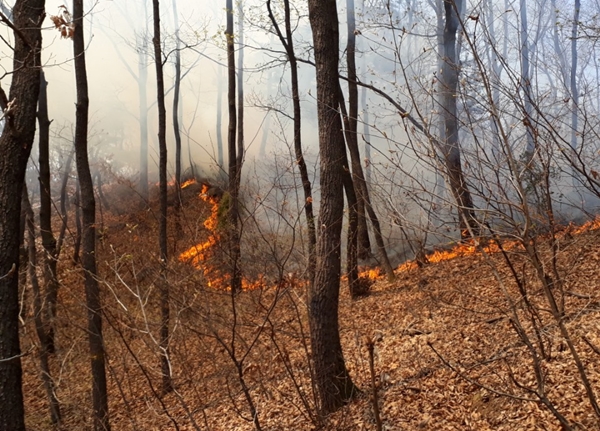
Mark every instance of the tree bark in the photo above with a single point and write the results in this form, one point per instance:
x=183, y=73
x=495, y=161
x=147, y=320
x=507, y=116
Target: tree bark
x=573, y=82
x=48, y=240
x=143, y=109
x=450, y=147
x=38, y=311
x=351, y=127
x=526, y=81
x=176, y=103
x=15, y=146
x=220, y=159
x=288, y=43
x=359, y=182
x=234, y=167
x=88, y=238
x=167, y=385
x=176, y=131
x=240, y=91
x=63, y=202
x=332, y=381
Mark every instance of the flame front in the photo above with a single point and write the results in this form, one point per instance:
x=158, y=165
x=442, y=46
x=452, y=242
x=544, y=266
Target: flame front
x=188, y=183
x=471, y=247
x=202, y=255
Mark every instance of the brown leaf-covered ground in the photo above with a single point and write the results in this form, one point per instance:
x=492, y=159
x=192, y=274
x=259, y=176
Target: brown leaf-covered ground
x=447, y=355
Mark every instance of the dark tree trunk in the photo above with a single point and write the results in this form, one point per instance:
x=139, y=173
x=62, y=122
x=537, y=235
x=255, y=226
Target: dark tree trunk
x=63, y=203
x=220, y=160
x=234, y=168
x=143, y=109
x=103, y=201
x=451, y=148
x=176, y=131
x=40, y=326
x=353, y=229
x=176, y=103
x=15, y=146
x=573, y=81
x=526, y=80
x=351, y=127
x=78, y=228
x=332, y=381
x=48, y=240
x=88, y=237
x=359, y=182
x=167, y=385
x=240, y=92
x=288, y=43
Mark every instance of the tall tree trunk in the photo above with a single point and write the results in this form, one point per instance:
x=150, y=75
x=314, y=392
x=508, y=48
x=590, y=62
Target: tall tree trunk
x=15, y=146
x=40, y=326
x=240, y=91
x=176, y=103
x=220, y=157
x=234, y=168
x=176, y=131
x=333, y=384
x=366, y=135
x=352, y=237
x=366, y=127
x=526, y=80
x=167, y=385
x=143, y=107
x=359, y=181
x=63, y=202
x=78, y=228
x=440, y=119
x=574, y=89
x=288, y=42
x=451, y=148
x=48, y=240
x=88, y=238
x=351, y=127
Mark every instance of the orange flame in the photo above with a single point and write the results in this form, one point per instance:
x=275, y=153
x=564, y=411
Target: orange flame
x=472, y=247
x=188, y=183
x=199, y=255
x=587, y=227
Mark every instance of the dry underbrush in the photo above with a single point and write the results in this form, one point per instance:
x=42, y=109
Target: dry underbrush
x=447, y=355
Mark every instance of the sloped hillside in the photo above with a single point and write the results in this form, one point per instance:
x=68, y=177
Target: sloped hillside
x=450, y=340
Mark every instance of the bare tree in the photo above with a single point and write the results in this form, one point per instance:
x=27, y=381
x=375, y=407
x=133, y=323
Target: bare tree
x=334, y=386
x=234, y=159
x=88, y=238
x=162, y=235
x=450, y=147
x=177, y=103
x=351, y=127
x=48, y=240
x=40, y=326
x=288, y=43
x=15, y=145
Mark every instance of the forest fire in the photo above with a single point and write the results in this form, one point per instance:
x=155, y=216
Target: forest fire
x=203, y=255
x=466, y=249
x=188, y=183
x=371, y=274
x=471, y=247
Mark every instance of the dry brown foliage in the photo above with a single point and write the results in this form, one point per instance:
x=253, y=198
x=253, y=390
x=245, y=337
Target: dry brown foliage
x=445, y=354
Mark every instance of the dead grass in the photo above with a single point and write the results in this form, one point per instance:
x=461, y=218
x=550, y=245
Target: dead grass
x=455, y=307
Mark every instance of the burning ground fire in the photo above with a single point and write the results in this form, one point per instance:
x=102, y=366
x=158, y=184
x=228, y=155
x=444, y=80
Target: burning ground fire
x=471, y=247
x=200, y=254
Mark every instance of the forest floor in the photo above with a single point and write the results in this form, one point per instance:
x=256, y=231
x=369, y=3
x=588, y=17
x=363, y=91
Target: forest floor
x=447, y=355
